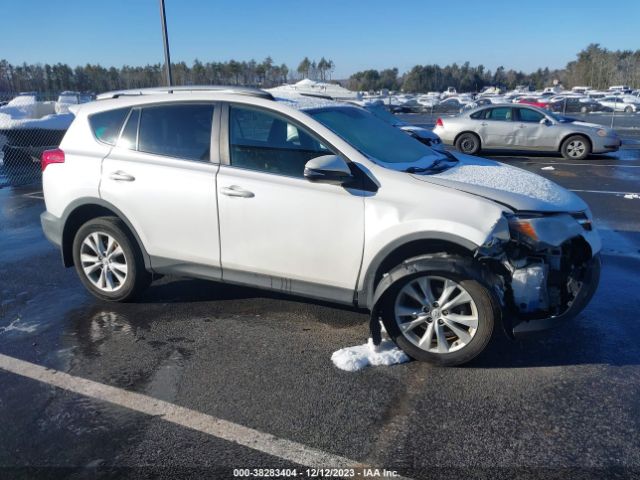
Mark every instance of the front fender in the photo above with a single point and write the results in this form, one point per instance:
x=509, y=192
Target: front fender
x=464, y=267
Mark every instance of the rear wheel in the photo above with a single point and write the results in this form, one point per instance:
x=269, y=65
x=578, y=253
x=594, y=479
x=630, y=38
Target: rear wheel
x=468, y=143
x=575, y=147
x=441, y=316
x=108, y=260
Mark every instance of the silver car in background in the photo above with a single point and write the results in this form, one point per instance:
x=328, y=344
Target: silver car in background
x=524, y=127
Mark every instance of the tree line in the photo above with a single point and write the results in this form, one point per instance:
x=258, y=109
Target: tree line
x=96, y=78
x=594, y=66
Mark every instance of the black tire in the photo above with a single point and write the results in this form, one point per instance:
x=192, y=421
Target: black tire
x=467, y=275
x=628, y=109
x=137, y=278
x=575, y=147
x=468, y=143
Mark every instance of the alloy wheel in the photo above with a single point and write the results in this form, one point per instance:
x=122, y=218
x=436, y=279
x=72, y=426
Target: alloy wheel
x=576, y=148
x=436, y=314
x=103, y=261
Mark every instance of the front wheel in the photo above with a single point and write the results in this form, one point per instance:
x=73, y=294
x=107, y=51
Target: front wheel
x=108, y=260
x=440, y=317
x=628, y=109
x=575, y=147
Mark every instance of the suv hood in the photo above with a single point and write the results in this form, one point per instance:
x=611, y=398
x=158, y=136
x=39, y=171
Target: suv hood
x=511, y=186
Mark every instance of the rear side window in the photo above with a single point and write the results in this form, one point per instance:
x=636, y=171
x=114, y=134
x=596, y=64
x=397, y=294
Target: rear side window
x=499, y=113
x=106, y=125
x=478, y=115
x=181, y=131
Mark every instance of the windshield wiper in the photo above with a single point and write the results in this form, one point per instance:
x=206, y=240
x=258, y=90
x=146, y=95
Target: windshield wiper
x=434, y=166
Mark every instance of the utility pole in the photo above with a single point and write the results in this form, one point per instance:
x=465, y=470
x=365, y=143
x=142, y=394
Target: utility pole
x=165, y=41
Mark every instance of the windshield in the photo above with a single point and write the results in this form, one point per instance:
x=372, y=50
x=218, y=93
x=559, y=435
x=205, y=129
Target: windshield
x=373, y=137
x=558, y=118
x=384, y=114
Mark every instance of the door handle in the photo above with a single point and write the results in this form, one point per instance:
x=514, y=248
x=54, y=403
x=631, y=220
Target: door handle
x=522, y=126
x=121, y=176
x=236, y=191
x=484, y=124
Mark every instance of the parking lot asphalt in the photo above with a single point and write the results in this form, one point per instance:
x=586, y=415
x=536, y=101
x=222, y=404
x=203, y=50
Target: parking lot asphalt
x=565, y=404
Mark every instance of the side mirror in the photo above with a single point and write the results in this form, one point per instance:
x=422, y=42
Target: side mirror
x=330, y=169
x=545, y=121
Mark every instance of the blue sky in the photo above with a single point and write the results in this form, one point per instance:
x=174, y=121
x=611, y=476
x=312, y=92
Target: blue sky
x=356, y=34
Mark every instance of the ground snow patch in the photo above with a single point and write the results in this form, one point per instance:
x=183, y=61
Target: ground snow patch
x=547, y=168
x=632, y=196
x=356, y=358
x=17, y=326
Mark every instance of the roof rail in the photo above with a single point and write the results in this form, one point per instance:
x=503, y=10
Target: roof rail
x=249, y=91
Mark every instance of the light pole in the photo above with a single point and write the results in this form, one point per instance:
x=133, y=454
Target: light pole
x=165, y=41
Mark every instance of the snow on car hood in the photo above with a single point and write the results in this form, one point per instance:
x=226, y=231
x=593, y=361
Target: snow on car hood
x=420, y=131
x=511, y=186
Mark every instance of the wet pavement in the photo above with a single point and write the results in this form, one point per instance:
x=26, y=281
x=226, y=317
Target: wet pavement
x=564, y=404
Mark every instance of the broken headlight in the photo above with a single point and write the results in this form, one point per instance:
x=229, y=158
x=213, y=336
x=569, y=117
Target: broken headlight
x=539, y=230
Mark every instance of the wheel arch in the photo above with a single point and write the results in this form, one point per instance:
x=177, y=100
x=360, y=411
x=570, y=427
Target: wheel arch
x=81, y=211
x=476, y=134
x=575, y=134
x=404, y=248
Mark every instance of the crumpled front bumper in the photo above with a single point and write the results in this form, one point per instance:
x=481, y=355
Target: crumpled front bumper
x=589, y=286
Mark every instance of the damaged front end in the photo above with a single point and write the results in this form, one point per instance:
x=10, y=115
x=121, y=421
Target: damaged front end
x=548, y=267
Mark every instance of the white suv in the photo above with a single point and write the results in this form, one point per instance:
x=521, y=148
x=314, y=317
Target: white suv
x=318, y=199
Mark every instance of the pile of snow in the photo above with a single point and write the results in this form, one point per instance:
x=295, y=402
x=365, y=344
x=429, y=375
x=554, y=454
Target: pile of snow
x=314, y=88
x=632, y=196
x=547, y=168
x=25, y=111
x=356, y=358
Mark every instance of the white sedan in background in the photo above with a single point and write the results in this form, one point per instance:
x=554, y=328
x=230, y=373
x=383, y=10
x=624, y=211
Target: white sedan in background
x=620, y=104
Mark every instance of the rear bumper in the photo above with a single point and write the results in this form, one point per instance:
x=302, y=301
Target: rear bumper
x=589, y=287
x=52, y=227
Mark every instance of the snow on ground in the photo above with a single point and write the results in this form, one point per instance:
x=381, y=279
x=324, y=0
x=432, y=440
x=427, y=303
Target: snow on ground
x=632, y=196
x=358, y=357
x=547, y=168
x=18, y=326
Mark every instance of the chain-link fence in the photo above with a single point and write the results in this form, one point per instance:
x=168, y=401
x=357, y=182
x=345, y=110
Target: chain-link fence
x=29, y=124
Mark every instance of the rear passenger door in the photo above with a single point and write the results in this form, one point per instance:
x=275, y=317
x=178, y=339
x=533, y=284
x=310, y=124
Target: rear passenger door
x=162, y=176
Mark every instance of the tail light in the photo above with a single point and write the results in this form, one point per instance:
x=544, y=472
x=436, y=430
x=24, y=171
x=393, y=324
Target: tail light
x=51, y=156
x=439, y=123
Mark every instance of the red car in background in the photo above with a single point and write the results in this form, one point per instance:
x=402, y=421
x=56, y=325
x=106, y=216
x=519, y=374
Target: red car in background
x=536, y=102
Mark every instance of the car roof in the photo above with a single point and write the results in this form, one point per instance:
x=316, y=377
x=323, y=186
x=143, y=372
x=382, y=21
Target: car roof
x=236, y=90
x=511, y=105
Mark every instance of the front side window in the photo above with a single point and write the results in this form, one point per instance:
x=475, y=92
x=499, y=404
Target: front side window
x=528, y=115
x=180, y=131
x=106, y=125
x=267, y=142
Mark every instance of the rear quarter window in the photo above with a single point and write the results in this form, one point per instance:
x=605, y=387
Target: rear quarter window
x=106, y=125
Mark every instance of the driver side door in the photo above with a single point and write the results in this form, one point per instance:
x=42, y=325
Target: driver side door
x=277, y=229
